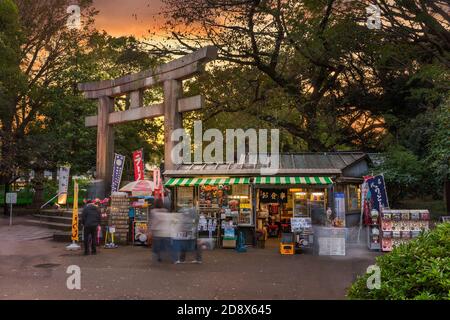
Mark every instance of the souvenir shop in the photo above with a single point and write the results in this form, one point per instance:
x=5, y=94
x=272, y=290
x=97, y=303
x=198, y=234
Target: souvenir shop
x=273, y=211
x=308, y=205
x=224, y=206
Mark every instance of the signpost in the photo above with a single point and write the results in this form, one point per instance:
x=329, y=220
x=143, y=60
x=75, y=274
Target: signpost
x=11, y=198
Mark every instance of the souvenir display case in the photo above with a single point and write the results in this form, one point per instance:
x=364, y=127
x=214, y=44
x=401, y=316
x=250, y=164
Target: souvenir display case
x=400, y=226
x=212, y=207
x=373, y=231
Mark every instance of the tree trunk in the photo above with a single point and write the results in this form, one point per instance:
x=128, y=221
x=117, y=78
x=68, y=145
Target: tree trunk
x=447, y=194
x=5, y=206
x=38, y=198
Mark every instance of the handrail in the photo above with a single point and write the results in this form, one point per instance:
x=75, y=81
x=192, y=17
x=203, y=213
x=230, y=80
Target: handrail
x=59, y=193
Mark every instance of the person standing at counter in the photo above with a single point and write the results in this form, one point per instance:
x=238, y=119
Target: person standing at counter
x=90, y=219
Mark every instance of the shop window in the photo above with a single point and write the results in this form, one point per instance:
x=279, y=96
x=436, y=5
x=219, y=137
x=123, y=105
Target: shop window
x=185, y=197
x=354, y=197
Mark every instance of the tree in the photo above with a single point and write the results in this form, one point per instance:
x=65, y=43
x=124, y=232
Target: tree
x=44, y=45
x=438, y=159
x=11, y=81
x=339, y=79
x=404, y=173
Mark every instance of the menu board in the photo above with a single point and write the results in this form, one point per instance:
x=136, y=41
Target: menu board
x=298, y=224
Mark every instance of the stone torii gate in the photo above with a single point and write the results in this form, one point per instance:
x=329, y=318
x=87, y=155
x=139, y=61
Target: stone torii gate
x=170, y=76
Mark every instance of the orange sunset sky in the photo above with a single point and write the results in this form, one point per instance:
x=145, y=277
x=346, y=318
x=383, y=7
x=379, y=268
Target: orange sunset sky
x=125, y=17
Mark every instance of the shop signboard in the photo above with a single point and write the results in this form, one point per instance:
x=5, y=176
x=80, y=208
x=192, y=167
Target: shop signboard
x=378, y=193
x=63, y=184
x=273, y=195
x=119, y=162
x=138, y=161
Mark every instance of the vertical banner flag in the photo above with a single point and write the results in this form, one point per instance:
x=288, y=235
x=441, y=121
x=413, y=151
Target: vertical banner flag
x=63, y=184
x=119, y=162
x=377, y=191
x=157, y=184
x=138, y=161
x=75, y=213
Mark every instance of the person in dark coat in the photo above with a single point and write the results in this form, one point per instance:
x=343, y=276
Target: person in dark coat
x=90, y=219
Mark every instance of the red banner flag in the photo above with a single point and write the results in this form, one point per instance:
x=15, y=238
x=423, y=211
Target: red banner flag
x=138, y=161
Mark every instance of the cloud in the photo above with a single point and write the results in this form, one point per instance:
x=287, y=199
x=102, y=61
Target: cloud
x=130, y=17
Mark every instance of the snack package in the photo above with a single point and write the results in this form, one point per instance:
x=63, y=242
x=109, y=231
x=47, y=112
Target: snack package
x=415, y=214
x=396, y=216
x=406, y=234
x=405, y=215
x=387, y=225
x=387, y=234
x=386, y=245
x=425, y=215
x=387, y=215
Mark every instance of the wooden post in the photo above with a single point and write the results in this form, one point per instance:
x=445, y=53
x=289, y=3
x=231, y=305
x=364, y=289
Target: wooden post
x=105, y=142
x=136, y=99
x=173, y=90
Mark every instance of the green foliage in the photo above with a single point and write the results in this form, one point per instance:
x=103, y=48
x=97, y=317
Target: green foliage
x=403, y=173
x=417, y=270
x=438, y=159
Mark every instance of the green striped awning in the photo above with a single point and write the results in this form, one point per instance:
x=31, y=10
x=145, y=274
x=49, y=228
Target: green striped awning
x=293, y=180
x=191, y=182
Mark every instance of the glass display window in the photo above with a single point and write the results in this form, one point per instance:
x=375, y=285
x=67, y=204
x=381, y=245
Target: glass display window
x=354, y=197
x=299, y=204
x=244, y=208
x=185, y=197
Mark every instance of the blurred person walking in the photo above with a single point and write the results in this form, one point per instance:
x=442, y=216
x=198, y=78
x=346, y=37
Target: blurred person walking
x=160, y=220
x=184, y=235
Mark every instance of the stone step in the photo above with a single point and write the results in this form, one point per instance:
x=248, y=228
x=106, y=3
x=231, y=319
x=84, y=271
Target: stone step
x=49, y=225
x=57, y=213
x=62, y=236
x=53, y=218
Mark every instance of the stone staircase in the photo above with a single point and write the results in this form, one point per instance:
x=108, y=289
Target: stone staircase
x=58, y=220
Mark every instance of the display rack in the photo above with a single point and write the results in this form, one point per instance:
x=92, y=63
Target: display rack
x=373, y=231
x=400, y=226
x=140, y=226
x=119, y=218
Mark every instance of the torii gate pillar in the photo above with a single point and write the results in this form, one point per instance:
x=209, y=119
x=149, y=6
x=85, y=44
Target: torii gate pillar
x=170, y=76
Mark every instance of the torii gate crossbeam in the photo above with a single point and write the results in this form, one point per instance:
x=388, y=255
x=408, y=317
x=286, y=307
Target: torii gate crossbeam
x=170, y=76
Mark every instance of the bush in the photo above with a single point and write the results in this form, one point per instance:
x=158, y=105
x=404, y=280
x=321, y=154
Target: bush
x=419, y=269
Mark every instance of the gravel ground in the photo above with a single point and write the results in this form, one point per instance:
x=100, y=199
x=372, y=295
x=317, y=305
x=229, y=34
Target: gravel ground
x=34, y=267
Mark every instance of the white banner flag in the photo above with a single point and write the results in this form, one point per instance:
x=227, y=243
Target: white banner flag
x=63, y=184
